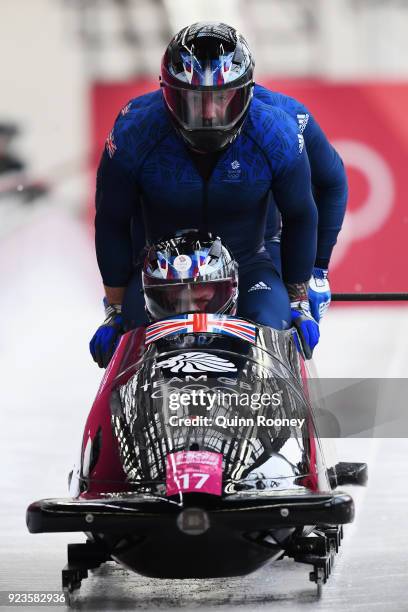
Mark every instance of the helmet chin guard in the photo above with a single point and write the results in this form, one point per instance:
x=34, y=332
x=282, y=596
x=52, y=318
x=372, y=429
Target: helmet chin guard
x=210, y=140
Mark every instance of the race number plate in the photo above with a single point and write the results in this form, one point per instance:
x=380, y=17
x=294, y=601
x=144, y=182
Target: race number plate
x=194, y=472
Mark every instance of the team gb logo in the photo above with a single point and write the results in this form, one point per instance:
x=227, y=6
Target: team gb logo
x=197, y=362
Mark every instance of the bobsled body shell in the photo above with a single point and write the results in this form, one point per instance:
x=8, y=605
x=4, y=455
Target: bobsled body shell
x=133, y=384
x=275, y=484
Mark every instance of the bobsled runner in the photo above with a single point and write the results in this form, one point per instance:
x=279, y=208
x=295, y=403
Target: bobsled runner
x=201, y=438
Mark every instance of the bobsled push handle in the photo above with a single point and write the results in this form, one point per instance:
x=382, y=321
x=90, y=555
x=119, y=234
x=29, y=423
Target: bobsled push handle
x=302, y=346
x=369, y=297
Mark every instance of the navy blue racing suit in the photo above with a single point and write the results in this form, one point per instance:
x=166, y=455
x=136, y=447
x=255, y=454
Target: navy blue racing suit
x=329, y=181
x=148, y=186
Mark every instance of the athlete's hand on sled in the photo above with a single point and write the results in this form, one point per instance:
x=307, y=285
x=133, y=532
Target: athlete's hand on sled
x=106, y=337
x=306, y=326
x=319, y=293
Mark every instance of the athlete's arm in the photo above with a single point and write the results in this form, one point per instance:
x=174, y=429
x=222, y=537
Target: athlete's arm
x=330, y=189
x=114, y=295
x=293, y=196
x=116, y=204
x=329, y=179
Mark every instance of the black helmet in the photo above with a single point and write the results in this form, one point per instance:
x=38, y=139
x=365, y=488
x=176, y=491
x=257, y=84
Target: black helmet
x=191, y=272
x=206, y=75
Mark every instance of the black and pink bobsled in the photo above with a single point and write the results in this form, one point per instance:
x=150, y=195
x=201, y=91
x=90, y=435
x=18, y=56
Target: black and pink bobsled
x=201, y=438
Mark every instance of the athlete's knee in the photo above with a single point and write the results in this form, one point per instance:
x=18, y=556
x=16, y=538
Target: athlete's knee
x=266, y=316
x=271, y=309
x=266, y=301
x=273, y=248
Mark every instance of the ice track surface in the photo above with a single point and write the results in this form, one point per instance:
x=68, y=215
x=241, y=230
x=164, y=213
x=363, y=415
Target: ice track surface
x=51, y=303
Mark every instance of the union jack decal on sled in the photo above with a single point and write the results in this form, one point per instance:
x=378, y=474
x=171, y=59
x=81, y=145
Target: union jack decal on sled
x=206, y=323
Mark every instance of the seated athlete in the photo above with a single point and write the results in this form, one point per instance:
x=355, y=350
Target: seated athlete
x=189, y=273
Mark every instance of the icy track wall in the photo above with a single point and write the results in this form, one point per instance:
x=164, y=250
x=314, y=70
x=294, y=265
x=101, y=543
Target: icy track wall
x=367, y=125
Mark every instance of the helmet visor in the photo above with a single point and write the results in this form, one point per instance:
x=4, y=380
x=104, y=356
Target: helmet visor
x=164, y=300
x=217, y=108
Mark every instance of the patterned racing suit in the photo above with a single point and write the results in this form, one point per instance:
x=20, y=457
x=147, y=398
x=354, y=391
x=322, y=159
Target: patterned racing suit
x=149, y=186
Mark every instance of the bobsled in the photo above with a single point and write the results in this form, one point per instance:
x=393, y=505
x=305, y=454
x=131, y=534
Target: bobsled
x=202, y=438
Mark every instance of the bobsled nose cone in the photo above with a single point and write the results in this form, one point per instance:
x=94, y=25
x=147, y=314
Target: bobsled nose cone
x=193, y=521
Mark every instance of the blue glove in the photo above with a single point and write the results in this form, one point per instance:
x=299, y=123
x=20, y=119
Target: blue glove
x=319, y=293
x=307, y=330
x=106, y=337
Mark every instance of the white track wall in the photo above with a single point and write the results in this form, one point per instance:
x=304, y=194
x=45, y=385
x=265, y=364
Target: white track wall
x=332, y=39
x=42, y=82
x=46, y=64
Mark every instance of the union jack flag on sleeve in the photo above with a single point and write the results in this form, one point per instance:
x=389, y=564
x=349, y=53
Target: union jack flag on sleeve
x=204, y=323
x=126, y=109
x=110, y=145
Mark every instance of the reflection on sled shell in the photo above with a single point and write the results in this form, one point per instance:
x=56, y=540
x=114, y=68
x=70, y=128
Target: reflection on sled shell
x=255, y=457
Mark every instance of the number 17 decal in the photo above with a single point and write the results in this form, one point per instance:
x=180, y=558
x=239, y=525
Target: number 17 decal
x=198, y=485
x=194, y=471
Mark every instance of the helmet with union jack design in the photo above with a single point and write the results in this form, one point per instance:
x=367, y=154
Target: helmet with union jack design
x=190, y=272
x=207, y=81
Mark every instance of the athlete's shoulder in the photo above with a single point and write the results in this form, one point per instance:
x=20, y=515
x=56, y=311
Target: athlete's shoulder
x=142, y=114
x=297, y=110
x=141, y=124
x=150, y=99
x=276, y=133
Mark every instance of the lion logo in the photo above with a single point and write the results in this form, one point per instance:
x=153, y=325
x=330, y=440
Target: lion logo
x=197, y=362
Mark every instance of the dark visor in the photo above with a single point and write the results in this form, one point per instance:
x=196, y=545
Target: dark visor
x=197, y=109
x=164, y=300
